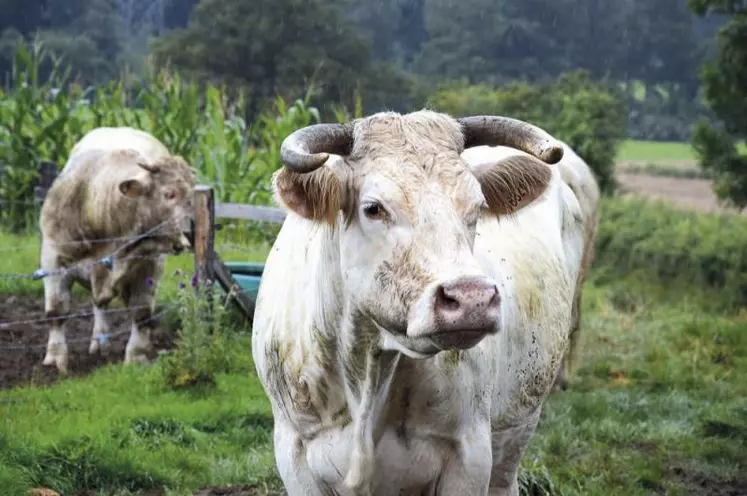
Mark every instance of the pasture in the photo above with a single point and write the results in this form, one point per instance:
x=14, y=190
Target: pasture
x=658, y=404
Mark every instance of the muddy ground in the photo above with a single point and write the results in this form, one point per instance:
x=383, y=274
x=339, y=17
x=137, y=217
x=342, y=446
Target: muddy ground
x=23, y=343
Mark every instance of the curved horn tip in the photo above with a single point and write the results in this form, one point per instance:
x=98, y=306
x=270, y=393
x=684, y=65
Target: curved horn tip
x=149, y=167
x=553, y=153
x=302, y=163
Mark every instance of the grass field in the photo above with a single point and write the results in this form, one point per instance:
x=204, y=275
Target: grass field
x=636, y=150
x=658, y=405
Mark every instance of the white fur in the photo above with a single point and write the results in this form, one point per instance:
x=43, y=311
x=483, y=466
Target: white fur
x=104, y=138
x=471, y=413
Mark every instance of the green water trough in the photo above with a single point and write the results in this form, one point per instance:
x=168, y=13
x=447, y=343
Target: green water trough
x=247, y=275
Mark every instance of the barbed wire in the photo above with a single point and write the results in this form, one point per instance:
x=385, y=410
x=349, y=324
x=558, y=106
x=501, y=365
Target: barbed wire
x=107, y=261
x=37, y=245
x=100, y=338
x=12, y=323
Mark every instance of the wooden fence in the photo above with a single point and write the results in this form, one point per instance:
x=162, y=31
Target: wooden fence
x=208, y=265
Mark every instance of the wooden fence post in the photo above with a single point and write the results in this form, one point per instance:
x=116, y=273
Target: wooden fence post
x=203, y=229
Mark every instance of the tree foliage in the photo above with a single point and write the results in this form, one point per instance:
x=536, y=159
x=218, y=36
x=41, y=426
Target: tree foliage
x=269, y=46
x=393, y=53
x=587, y=115
x=724, y=81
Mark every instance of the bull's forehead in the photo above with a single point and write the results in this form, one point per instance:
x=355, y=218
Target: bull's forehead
x=425, y=181
x=423, y=132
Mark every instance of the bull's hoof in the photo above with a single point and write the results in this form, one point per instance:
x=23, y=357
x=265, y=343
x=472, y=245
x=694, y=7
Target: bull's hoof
x=136, y=355
x=58, y=358
x=136, y=358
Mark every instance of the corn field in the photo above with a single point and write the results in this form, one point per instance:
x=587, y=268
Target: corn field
x=41, y=121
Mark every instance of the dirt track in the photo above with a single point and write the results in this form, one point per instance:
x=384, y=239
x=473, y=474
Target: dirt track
x=23, y=363
x=686, y=193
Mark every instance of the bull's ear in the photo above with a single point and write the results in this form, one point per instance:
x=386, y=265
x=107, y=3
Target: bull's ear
x=512, y=183
x=132, y=187
x=316, y=196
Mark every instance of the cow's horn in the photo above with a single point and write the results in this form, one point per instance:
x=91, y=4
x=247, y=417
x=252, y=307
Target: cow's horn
x=495, y=130
x=306, y=149
x=149, y=167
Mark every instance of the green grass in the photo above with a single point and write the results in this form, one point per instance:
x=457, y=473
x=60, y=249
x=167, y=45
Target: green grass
x=663, y=156
x=115, y=431
x=20, y=255
x=659, y=402
x=637, y=150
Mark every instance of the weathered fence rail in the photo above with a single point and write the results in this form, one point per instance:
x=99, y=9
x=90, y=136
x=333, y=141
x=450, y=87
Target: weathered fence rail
x=208, y=265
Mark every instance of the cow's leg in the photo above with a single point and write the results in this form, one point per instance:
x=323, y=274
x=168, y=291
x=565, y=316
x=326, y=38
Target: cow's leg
x=139, y=294
x=561, y=379
x=508, y=448
x=290, y=458
x=57, y=300
x=469, y=469
x=100, y=337
x=101, y=296
x=139, y=345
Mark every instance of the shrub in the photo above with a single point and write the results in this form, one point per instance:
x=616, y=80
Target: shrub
x=205, y=344
x=590, y=116
x=661, y=243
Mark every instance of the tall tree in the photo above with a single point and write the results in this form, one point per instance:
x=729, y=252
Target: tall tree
x=269, y=46
x=724, y=81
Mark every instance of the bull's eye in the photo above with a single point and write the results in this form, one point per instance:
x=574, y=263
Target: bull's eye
x=374, y=211
x=169, y=195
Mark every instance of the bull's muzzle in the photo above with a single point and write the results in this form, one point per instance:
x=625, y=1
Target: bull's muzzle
x=181, y=244
x=465, y=310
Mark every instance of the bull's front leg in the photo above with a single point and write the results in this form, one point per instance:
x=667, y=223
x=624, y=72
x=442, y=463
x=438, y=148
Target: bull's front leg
x=141, y=299
x=57, y=300
x=468, y=469
x=139, y=344
x=100, y=336
x=508, y=447
x=101, y=296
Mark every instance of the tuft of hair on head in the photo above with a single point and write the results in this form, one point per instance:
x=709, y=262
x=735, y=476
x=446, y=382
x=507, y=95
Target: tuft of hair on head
x=512, y=183
x=316, y=195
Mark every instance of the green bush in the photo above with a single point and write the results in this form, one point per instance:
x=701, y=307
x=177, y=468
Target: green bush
x=659, y=243
x=590, y=116
x=205, y=343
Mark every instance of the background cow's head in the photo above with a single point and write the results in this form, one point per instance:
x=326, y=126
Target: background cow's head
x=164, y=190
x=407, y=207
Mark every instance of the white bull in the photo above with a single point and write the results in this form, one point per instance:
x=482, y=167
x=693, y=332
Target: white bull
x=121, y=194
x=415, y=308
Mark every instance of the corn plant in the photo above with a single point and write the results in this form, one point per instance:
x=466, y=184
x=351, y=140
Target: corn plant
x=42, y=120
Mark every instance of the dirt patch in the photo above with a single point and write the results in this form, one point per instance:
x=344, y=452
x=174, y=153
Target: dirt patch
x=693, y=194
x=23, y=342
x=701, y=485
x=237, y=490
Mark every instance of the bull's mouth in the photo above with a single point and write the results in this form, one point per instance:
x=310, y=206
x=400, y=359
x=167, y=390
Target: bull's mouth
x=460, y=340
x=429, y=345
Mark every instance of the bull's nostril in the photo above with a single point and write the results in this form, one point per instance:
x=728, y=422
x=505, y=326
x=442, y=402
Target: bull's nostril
x=444, y=301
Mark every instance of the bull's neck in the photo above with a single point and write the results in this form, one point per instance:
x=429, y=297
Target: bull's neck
x=108, y=211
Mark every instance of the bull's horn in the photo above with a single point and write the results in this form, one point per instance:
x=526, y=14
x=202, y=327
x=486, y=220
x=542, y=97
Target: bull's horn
x=149, y=167
x=306, y=149
x=494, y=130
